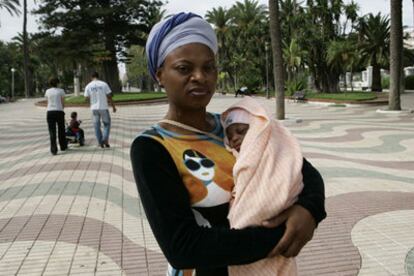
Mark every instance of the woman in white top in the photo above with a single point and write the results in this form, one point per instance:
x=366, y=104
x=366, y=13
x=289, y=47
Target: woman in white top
x=55, y=115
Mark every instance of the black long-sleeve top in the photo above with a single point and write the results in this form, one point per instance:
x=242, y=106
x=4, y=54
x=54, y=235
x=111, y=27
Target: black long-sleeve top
x=186, y=244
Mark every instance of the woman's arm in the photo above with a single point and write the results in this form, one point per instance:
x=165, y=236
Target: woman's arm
x=312, y=198
x=167, y=206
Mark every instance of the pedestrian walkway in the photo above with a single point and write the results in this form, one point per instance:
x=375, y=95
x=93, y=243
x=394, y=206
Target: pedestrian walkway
x=78, y=213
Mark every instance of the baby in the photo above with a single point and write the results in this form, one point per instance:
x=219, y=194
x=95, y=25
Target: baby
x=74, y=128
x=267, y=175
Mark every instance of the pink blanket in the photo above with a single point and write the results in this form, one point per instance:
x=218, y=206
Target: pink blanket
x=268, y=179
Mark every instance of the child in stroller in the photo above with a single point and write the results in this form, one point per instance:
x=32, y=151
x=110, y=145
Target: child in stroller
x=74, y=134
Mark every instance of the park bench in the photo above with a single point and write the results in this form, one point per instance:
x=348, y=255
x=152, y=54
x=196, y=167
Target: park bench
x=298, y=96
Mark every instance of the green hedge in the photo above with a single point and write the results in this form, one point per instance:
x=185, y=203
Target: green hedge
x=121, y=97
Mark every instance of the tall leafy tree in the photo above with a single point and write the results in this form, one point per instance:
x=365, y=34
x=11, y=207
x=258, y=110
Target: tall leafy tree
x=323, y=24
x=28, y=82
x=351, y=12
x=107, y=27
x=344, y=55
x=220, y=18
x=278, y=70
x=249, y=34
x=10, y=57
x=292, y=20
x=395, y=55
x=293, y=55
x=242, y=33
x=374, y=31
x=137, y=71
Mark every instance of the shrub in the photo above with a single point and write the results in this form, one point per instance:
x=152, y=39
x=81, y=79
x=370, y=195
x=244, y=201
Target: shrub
x=409, y=82
x=296, y=84
x=385, y=82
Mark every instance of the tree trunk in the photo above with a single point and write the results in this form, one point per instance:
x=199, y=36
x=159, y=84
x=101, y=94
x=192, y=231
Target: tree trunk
x=76, y=79
x=376, y=76
x=278, y=71
x=395, y=55
x=28, y=86
x=402, y=75
x=345, y=83
x=333, y=79
x=111, y=74
x=110, y=64
x=352, y=78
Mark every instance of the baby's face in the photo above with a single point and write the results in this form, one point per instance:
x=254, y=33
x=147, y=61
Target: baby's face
x=235, y=134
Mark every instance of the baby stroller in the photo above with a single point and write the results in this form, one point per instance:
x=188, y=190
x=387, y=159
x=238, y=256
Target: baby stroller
x=75, y=137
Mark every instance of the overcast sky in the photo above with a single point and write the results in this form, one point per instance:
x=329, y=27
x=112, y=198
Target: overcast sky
x=10, y=26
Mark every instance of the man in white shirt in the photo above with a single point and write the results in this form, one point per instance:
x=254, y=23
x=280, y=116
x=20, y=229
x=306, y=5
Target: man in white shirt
x=55, y=116
x=98, y=94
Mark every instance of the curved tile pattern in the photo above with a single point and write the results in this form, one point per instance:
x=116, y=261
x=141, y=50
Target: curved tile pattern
x=409, y=262
x=83, y=205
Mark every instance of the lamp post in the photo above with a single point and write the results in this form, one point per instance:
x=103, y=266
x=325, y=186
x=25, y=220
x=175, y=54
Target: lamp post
x=12, y=84
x=267, y=71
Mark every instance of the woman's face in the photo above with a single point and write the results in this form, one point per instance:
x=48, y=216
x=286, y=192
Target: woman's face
x=189, y=76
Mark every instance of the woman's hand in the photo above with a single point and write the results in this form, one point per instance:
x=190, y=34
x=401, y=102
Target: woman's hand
x=300, y=226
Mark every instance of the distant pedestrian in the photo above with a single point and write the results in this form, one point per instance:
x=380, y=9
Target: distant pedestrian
x=55, y=116
x=99, y=94
x=242, y=91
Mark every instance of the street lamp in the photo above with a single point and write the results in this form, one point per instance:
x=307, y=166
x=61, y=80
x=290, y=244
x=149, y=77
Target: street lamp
x=267, y=73
x=12, y=85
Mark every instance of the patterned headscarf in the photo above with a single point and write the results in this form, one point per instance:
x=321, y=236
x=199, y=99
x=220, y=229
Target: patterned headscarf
x=175, y=31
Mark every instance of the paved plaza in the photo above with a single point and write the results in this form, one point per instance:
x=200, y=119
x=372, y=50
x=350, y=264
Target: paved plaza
x=78, y=213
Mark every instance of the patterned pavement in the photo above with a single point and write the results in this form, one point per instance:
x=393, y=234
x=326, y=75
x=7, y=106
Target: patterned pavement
x=78, y=213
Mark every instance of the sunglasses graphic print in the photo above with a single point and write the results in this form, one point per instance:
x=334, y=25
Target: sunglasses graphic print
x=194, y=165
x=199, y=165
x=203, y=168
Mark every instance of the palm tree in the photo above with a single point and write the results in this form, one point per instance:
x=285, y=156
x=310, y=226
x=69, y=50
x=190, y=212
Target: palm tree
x=248, y=13
x=248, y=33
x=293, y=56
x=220, y=18
x=344, y=55
x=351, y=12
x=12, y=6
x=278, y=70
x=374, y=34
x=26, y=59
x=291, y=14
x=395, y=55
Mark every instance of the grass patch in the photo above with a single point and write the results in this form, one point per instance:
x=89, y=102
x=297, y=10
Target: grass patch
x=121, y=97
x=351, y=96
